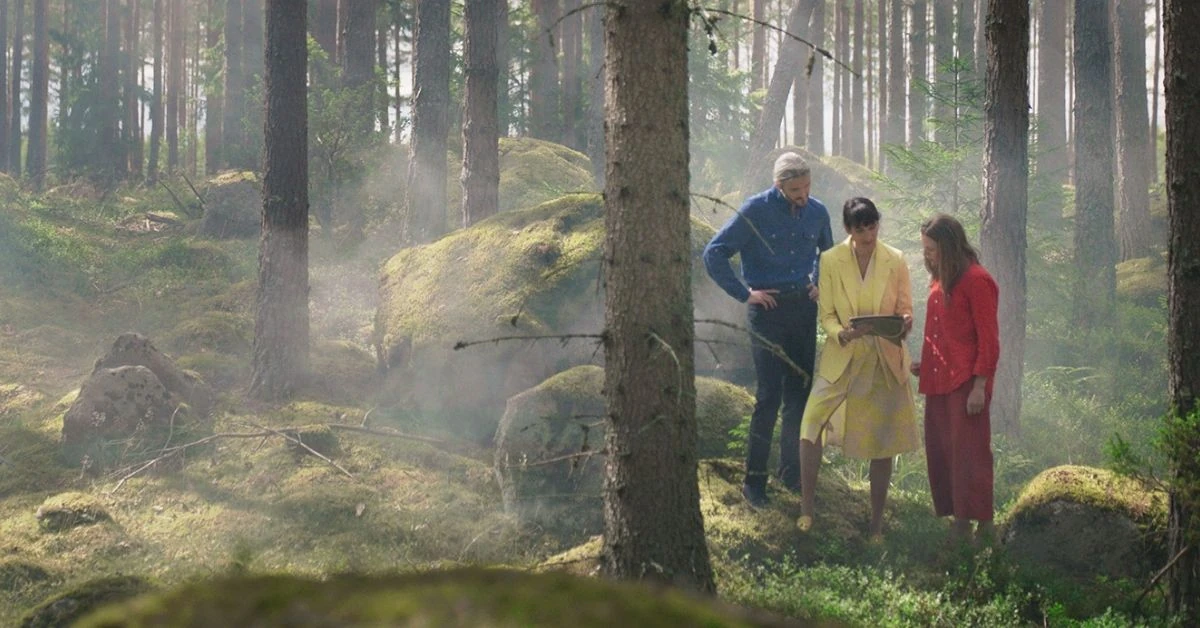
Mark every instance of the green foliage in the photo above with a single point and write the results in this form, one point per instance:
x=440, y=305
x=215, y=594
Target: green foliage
x=721, y=121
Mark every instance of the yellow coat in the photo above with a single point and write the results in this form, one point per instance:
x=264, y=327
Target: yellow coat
x=840, y=282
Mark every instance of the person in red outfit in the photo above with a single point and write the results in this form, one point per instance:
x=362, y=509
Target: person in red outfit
x=956, y=370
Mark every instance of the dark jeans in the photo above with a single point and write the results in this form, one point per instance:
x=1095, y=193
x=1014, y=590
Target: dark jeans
x=792, y=326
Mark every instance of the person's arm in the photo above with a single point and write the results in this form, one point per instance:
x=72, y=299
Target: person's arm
x=824, y=243
x=983, y=297
x=730, y=240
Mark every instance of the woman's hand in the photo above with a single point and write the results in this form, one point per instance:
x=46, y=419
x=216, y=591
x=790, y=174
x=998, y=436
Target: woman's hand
x=908, y=323
x=852, y=333
x=977, y=398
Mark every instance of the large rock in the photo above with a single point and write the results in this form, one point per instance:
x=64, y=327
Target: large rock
x=232, y=206
x=549, y=460
x=519, y=273
x=135, y=402
x=1085, y=523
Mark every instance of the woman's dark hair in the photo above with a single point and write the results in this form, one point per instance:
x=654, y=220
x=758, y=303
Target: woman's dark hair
x=859, y=212
x=955, y=253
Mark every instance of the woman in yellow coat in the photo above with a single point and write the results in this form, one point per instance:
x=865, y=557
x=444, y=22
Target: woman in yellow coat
x=861, y=398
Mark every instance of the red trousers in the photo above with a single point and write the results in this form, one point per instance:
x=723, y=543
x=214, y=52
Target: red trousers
x=958, y=450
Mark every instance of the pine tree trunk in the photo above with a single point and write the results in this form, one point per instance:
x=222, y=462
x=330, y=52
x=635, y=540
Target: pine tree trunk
x=964, y=38
x=175, y=43
x=5, y=122
x=1006, y=183
x=426, y=214
x=39, y=88
x=766, y=132
x=845, y=111
x=133, y=117
x=1181, y=22
x=1095, y=242
x=894, y=131
x=918, y=57
x=653, y=526
x=1051, y=90
x=325, y=27
x=544, y=114
x=1133, y=129
x=233, y=143
x=816, y=83
x=252, y=47
x=596, y=80
x=381, y=62
x=357, y=31
x=14, y=92
x=1155, y=83
x=481, y=149
x=281, y=322
x=881, y=120
x=572, y=58
x=156, y=97
x=758, y=46
x=857, y=124
x=213, y=98
x=943, y=56
x=503, y=100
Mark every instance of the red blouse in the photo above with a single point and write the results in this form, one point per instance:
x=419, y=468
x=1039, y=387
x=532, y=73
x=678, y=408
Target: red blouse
x=962, y=338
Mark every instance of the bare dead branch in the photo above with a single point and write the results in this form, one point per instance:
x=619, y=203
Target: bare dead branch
x=463, y=344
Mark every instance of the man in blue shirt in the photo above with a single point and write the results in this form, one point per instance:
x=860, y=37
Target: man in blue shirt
x=780, y=234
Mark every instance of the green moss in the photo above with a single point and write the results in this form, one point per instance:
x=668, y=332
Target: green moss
x=17, y=573
x=68, y=510
x=532, y=172
x=64, y=608
x=319, y=438
x=1142, y=280
x=15, y=399
x=464, y=598
x=1098, y=488
x=720, y=407
x=341, y=372
x=223, y=332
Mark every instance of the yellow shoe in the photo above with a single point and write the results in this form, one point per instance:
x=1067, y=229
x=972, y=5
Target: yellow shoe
x=804, y=523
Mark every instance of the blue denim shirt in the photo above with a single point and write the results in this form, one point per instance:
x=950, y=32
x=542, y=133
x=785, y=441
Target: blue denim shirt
x=777, y=248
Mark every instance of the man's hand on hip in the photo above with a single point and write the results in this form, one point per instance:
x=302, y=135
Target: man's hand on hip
x=765, y=298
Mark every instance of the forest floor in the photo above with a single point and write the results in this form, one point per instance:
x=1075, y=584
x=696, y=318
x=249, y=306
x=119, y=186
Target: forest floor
x=73, y=276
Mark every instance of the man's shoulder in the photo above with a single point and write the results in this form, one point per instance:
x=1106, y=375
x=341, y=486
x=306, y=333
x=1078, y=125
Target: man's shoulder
x=816, y=203
x=760, y=200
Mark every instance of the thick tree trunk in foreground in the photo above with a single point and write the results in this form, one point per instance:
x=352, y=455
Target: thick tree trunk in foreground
x=653, y=526
x=1181, y=22
x=1006, y=184
x=281, y=328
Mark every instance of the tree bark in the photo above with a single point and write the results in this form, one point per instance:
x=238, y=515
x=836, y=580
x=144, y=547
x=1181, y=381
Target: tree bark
x=324, y=27
x=481, y=148
x=213, y=98
x=857, y=126
x=943, y=56
x=1006, y=183
x=357, y=31
x=233, y=142
x=426, y=215
x=111, y=158
x=844, y=111
x=766, y=132
x=881, y=119
x=894, y=131
x=1051, y=89
x=918, y=107
x=175, y=43
x=39, y=87
x=653, y=526
x=1095, y=242
x=964, y=38
x=5, y=122
x=1181, y=22
x=1156, y=84
x=253, y=34
x=816, y=83
x=15, y=112
x=503, y=100
x=1133, y=129
x=572, y=55
x=758, y=46
x=281, y=322
x=381, y=61
x=156, y=97
x=544, y=116
x=596, y=81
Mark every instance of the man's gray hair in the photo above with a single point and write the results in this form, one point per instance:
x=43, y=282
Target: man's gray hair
x=789, y=166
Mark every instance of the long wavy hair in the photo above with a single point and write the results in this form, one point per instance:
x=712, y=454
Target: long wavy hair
x=955, y=253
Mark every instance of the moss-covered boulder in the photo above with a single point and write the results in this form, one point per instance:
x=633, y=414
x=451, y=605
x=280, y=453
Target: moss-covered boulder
x=232, y=206
x=519, y=273
x=17, y=574
x=470, y=597
x=1143, y=280
x=135, y=401
x=532, y=171
x=67, y=606
x=1086, y=523
x=222, y=332
x=342, y=372
x=549, y=456
x=68, y=510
